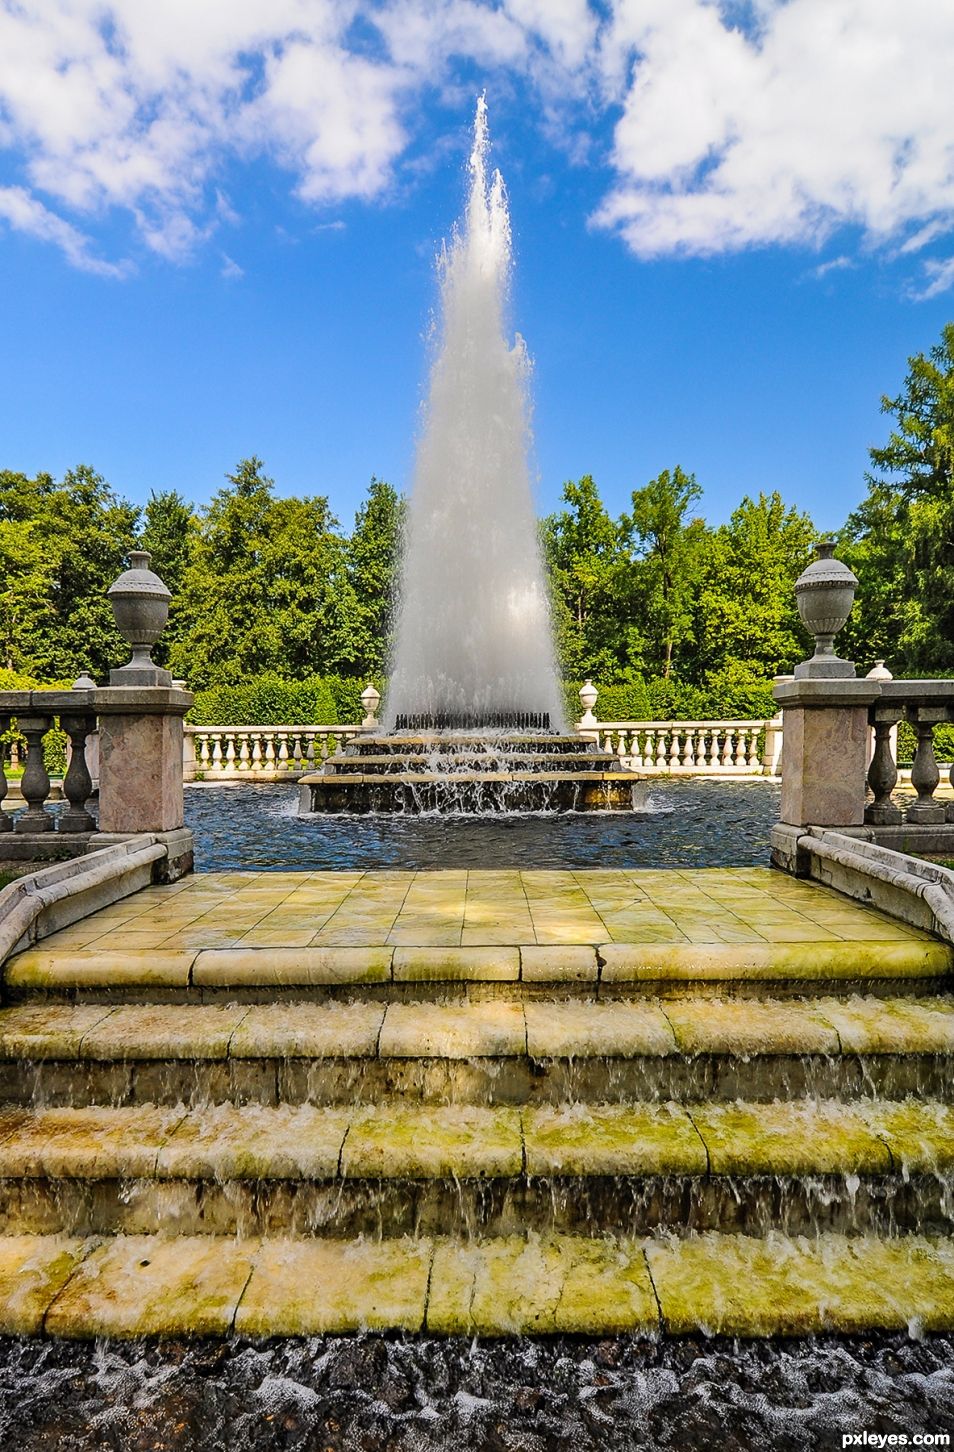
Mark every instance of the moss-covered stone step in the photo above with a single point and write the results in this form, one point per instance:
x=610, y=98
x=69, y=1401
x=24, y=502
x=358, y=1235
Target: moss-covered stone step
x=490, y=1052
x=231, y=1169
x=180, y=972
x=133, y=1285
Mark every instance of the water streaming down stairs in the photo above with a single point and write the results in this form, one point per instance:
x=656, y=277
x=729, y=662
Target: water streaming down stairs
x=477, y=1139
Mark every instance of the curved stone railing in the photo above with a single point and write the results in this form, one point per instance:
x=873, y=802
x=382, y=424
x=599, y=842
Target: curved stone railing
x=260, y=753
x=692, y=748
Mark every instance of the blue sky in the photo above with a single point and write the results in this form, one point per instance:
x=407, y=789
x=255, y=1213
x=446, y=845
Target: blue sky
x=732, y=225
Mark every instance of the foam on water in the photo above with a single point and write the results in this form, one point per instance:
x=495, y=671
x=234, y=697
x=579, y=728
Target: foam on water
x=473, y=627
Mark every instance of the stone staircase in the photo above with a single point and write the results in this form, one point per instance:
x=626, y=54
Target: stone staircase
x=737, y=1138
x=461, y=772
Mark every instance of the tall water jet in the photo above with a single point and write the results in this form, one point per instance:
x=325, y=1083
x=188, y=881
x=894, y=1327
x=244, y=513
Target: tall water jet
x=474, y=643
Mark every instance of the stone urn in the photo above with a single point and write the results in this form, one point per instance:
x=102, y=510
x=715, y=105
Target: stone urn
x=588, y=695
x=825, y=592
x=370, y=700
x=140, y=604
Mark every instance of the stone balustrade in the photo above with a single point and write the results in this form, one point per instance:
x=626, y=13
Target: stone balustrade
x=260, y=753
x=34, y=714
x=923, y=705
x=692, y=748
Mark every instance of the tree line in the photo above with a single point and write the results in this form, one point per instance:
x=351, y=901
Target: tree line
x=265, y=584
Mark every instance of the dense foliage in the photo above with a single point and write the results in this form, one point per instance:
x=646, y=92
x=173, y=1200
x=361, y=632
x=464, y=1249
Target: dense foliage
x=279, y=613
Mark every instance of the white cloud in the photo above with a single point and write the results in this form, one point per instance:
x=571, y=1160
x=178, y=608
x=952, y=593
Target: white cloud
x=940, y=278
x=230, y=268
x=25, y=214
x=831, y=112
x=737, y=123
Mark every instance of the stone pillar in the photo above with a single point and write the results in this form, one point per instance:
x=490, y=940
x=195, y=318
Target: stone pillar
x=140, y=758
x=825, y=760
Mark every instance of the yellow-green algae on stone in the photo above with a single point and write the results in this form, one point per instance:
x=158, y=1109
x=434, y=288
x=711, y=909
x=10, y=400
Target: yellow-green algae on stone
x=453, y=1030
x=612, y=1139
x=919, y=1134
x=310, y=1030
x=868, y=1025
x=914, y=958
x=163, y=1031
x=33, y=1269
x=748, y=1026
x=47, y=1030
x=312, y=1287
x=801, y=1136
x=227, y=1142
x=92, y=1142
x=152, y=968
x=475, y=964
x=738, y=1285
x=430, y=1142
x=302, y=967
x=591, y=1030
x=515, y=1285
x=142, y=1285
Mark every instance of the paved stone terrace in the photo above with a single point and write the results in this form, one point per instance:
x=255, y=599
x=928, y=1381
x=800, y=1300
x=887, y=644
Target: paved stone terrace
x=476, y=908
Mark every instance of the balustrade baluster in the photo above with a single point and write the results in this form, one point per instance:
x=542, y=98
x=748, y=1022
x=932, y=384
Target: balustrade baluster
x=636, y=750
x=77, y=783
x=714, y=757
x=740, y=749
x=283, y=752
x=244, y=755
x=883, y=772
x=753, y=760
x=924, y=771
x=256, y=752
x=35, y=783
x=726, y=758
x=6, y=821
x=228, y=755
x=689, y=749
x=660, y=736
x=215, y=762
x=674, y=750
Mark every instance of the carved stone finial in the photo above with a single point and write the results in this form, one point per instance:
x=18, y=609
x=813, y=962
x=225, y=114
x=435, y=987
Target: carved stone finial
x=825, y=592
x=140, y=604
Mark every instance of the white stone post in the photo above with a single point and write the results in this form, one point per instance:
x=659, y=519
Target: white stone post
x=370, y=700
x=588, y=695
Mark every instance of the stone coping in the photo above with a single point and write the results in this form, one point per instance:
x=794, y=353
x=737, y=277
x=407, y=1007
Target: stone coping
x=391, y=1141
x=715, y=1284
x=492, y=1029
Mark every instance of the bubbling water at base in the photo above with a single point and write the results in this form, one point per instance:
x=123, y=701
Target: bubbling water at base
x=474, y=640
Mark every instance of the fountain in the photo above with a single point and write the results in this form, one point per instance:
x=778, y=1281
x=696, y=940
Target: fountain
x=474, y=715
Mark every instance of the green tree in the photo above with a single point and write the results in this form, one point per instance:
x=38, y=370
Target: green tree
x=667, y=544
x=586, y=564
x=746, y=613
x=266, y=587
x=77, y=534
x=373, y=552
x=900, y=541
x=169, y=533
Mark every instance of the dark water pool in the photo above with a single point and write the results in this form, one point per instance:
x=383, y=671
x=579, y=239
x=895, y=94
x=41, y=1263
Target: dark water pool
x=679, y=824
x=423, y=1394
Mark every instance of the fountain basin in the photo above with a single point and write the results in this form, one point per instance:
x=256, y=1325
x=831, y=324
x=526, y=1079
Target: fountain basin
x=474, y=774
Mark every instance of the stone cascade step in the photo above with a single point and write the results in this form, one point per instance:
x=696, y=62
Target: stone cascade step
x=462, y=743
x=799, y=1166
x=133, y=1285
x=610, y=970
x=492, y=1052
x=469, y=766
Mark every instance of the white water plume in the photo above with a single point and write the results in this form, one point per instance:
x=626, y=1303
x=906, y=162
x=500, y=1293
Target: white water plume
x=473, y=636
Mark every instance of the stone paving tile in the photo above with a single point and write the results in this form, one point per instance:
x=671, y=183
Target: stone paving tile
x=308, y=1030
x=919, y=1135
x=763, y=1286
x=626, y=963
x=453, y=1140
x=612, y=1139
x=47, y=1031
x=228, y=1142
x=323, y=1287
x=591, y=1030
x=33, y=1270
x=558, y=964
x=137, y=1285
x=86, y=1143
x=453, y=1031
x=869, y=1025
x=794, y=1138
x=515, y=1285
x=745, y=1026
x=164, y=1031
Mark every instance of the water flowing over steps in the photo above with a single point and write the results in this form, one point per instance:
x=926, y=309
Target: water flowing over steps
x=748, y=1139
